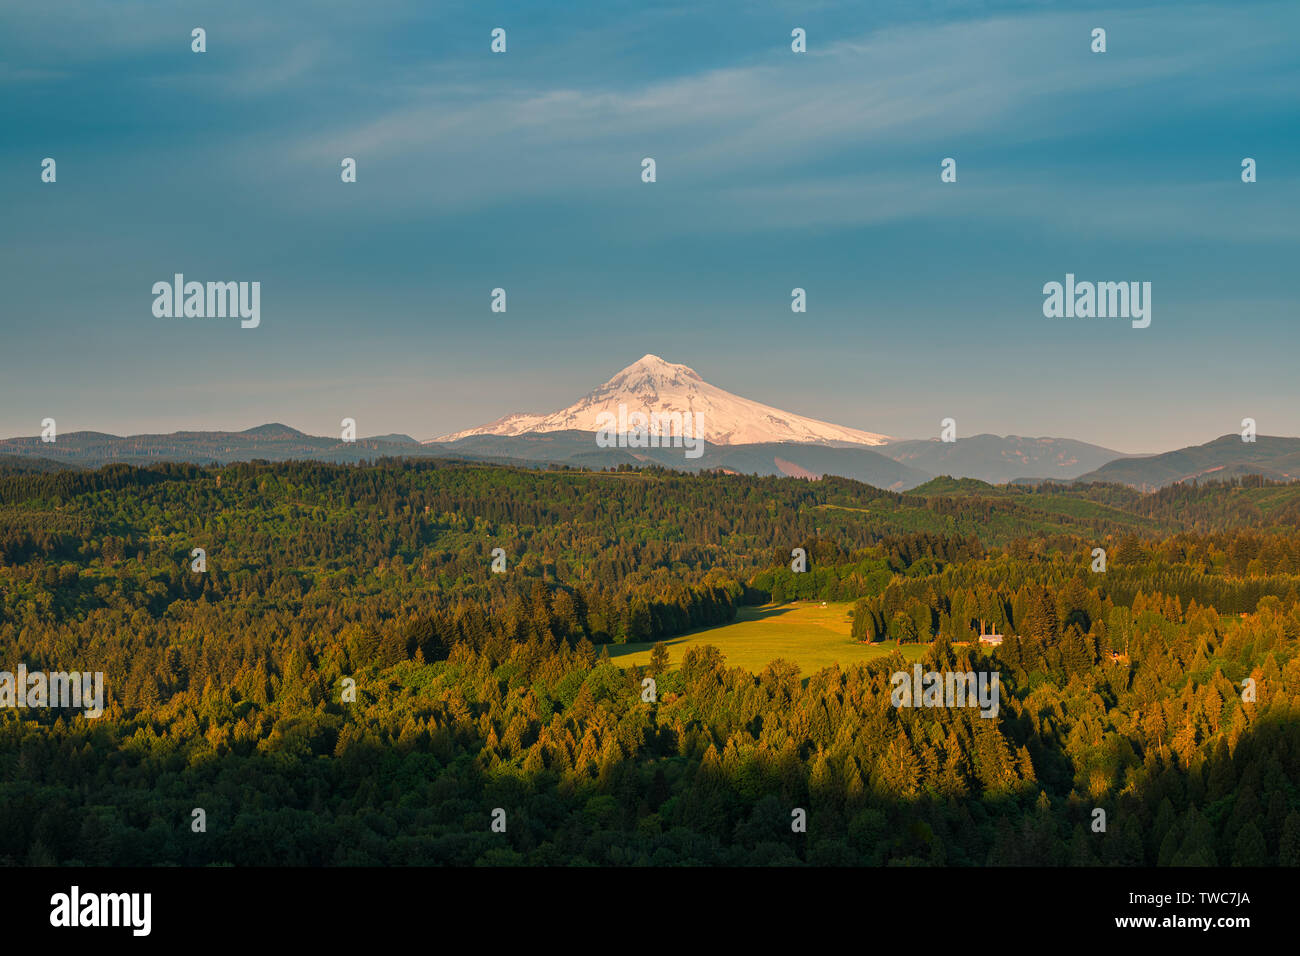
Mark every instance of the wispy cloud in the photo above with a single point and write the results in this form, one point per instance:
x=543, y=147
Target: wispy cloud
x=835, y=137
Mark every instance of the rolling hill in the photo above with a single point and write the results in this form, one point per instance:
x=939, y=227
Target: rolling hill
x=1277, y=459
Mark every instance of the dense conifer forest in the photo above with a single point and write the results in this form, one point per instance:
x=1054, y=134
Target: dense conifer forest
x=1121, y=691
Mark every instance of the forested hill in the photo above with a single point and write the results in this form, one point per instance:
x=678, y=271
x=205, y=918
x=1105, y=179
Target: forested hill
x=781, y=507
x=477, y=689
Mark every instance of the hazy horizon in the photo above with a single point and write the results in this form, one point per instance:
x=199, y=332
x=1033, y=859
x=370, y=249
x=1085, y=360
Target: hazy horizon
x=331, y=429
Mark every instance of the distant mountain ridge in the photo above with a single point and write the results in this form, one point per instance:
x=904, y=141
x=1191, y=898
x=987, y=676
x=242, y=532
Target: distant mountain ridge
x=573, y=448
x=739, y=435
x=734, y=434
x=998, y=460
x=273, y=442
x=899, y=466
x=1225, y=457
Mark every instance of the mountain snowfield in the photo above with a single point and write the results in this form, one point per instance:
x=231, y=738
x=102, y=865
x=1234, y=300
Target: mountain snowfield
x=653, y=385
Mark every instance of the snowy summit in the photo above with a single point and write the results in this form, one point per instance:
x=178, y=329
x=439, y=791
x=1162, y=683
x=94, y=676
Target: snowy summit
x=652, y=385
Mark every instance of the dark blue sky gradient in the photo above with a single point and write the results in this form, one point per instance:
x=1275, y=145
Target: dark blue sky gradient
x=775, y=171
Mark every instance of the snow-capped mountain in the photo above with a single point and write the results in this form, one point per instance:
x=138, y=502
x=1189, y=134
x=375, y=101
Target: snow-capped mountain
x=652, y=385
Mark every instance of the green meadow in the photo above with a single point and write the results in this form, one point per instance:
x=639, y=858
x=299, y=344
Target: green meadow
x=804, y=633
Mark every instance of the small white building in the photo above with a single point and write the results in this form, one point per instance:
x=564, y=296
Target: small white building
x=992, y=639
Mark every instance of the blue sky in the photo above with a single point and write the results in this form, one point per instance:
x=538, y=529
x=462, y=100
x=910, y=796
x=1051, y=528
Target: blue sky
x=775, y=170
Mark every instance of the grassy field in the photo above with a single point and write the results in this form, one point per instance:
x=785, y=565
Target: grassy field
x=804, y=633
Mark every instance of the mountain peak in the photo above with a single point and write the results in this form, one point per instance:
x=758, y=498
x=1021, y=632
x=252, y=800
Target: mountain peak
x=653, y=363
x=653, y=373
x=273, y=430
x=653, y=385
